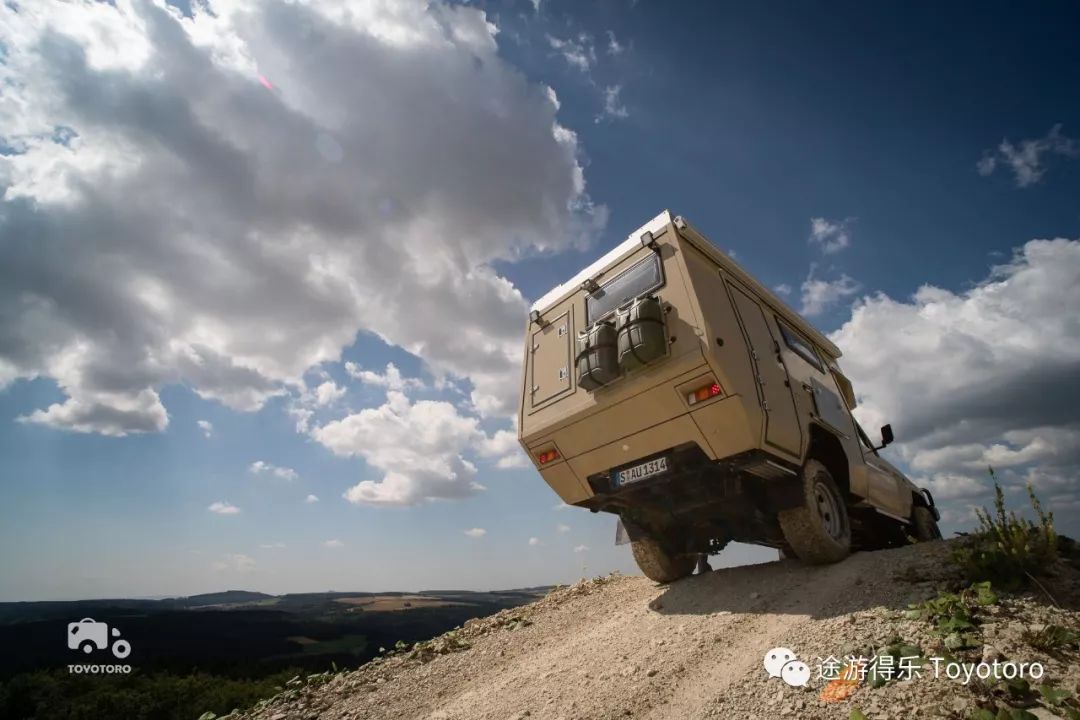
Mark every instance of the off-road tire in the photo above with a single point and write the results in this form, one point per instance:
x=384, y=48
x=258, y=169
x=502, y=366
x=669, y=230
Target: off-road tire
x=817, y=535
x=924, y=524
x=658, y=564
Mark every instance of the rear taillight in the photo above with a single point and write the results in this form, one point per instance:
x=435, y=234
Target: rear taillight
x=548, y=456
x=703, y=393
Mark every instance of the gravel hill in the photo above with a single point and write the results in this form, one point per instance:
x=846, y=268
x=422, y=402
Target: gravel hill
x=624, y=647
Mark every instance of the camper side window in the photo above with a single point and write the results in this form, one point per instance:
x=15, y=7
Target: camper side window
x=799, y=346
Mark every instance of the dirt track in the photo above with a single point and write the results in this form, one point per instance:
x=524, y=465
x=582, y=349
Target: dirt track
x=625, y=647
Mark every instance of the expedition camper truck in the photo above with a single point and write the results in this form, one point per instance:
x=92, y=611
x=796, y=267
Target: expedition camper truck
x=667, y=386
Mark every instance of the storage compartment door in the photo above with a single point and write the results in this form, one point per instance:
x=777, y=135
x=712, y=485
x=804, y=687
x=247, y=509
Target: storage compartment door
x=550, y=367
x=781, y=419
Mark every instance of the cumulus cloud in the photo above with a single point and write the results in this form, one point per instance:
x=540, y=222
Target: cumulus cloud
x=206, y=426
x=476, y=532
x=819, y=295
x=562, y=527
x=218, y=201
x=782, y=289
x=535, y=542
x=391, y=378
x=261, y=467
x=222, y=507
x=581, y=548
x=1027, y=159
x=272, y=546
x=328, y=393
x=831, y=236
x=984, y=377
x=311, y=499
x=421, y=449
x=333, y=544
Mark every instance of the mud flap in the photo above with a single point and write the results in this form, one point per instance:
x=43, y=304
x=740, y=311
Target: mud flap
x=627, y=532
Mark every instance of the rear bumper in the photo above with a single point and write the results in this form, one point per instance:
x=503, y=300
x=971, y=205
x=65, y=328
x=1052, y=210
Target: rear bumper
x=754, y=478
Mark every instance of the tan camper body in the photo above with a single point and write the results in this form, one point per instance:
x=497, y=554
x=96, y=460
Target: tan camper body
x=707, y=442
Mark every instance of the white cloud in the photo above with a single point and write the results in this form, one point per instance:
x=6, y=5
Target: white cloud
x=578, y=52
x=535, y=542
x=196, y=225
x=613, y=105
x=391, y=379
x=561, y=506
x=783, y=289
x=983, y=377
x=272, y=546
x=563, y=528
x=260, y=467
x=420, y=448
x=206, y=426
x=311, y=499
x=819, y=295
x=333, y=544
x=831, y=236
x=1026, y=160
x=237, y=562
x=476, y=532
x=223, y=508
x=581, y=548
x=614, y=47
x=328, y=393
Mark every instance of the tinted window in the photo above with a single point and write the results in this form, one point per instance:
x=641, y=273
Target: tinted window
x=800, y=347
x=627, y=285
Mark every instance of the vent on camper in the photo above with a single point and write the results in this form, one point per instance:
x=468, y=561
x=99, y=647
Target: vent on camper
x=597, y=361
x=642, y=336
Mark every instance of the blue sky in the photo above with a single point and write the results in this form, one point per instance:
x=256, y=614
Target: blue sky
x=256, y=211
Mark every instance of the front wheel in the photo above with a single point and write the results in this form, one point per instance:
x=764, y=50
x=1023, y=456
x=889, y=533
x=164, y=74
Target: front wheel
x=818, y=530
x=658, y=564
x=924, y=524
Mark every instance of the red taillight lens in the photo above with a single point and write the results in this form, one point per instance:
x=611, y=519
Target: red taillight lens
x=703, y=393
x=547, y=456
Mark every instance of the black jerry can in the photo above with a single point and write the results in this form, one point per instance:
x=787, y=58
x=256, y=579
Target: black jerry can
x=597, y=359
x=642, y=337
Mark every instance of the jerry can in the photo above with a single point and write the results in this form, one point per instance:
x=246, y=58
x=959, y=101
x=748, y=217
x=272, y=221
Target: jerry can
x=597, y=361
x=642, y=336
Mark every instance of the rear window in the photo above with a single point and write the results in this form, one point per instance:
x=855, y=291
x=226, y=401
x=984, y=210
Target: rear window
x=641, y=278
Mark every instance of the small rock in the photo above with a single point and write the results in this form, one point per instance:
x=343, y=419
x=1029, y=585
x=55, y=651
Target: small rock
x=652, y=672
x=755, y=595
x=990, y=654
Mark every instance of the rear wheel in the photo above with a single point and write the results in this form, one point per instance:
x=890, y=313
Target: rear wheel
x=819, y=530
x=924, y=524
x=658, y=564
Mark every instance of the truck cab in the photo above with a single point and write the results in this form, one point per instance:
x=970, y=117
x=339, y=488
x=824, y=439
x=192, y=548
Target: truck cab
x=665, y=385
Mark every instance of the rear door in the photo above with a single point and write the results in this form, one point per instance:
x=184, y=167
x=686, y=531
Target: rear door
x=781, y=419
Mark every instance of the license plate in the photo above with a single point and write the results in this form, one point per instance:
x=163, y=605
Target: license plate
x=641, y=472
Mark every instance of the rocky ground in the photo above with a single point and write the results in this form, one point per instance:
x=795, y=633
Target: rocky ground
x=624, y=647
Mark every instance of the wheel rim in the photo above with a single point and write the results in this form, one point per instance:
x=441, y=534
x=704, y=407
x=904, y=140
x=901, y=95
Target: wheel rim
x=828, y=507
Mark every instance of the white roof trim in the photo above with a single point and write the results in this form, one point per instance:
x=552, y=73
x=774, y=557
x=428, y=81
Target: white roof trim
x=627, y=246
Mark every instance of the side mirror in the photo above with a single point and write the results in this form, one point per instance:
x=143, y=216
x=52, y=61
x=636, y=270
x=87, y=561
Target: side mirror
x=886, y=435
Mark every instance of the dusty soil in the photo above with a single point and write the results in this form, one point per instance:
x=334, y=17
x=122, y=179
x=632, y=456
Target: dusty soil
x=621, y=647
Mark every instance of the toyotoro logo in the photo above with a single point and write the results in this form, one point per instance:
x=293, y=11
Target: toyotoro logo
x=88, y=635
x=781, y=662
